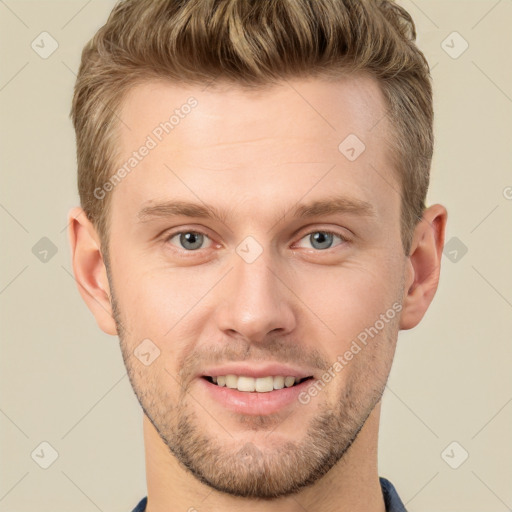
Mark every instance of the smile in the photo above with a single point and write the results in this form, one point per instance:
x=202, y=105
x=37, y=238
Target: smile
x=259, y=385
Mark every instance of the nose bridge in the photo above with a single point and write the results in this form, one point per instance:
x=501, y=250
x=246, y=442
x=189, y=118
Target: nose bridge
x=255, y=301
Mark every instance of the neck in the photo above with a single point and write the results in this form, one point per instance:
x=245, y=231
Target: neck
x=352, y=485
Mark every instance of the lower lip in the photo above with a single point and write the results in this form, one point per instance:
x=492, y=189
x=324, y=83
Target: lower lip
x=255, y=403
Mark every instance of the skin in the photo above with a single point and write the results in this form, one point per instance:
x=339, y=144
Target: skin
x=255, y=156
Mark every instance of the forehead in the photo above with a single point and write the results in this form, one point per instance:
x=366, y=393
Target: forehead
x=329, y=109
x=228, y=144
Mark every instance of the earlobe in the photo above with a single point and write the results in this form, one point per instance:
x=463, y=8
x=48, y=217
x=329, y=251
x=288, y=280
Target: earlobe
x=89, y=269
x=424, y=265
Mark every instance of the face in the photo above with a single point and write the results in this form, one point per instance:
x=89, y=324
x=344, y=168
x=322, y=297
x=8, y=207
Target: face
x=260, y=266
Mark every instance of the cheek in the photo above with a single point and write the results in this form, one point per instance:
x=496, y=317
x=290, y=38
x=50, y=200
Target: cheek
x=356, y=303
x=158, y=304
x=346, y=300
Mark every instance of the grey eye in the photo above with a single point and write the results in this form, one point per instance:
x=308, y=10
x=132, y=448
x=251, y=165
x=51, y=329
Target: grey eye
x=321, y=239
x=190, y=240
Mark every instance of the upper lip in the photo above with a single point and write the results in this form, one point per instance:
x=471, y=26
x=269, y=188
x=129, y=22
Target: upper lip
x=256, y=370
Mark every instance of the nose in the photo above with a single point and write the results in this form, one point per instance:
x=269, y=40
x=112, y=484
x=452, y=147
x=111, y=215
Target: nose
x=256, y=300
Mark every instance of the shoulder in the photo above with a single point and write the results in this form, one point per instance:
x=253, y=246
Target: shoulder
x=391, y=498
x=141, y=507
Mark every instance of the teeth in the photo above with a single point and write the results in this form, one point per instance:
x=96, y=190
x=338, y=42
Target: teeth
x=264, y=384
x=278, y=382
x=289, y=382
x=249, y=384
x=246, y=384
x=231, y=381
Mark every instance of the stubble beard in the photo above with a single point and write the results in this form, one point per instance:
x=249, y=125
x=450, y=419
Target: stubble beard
x=275, y=470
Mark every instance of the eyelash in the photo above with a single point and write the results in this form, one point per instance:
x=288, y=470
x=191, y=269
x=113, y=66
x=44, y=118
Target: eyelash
x=171, y=235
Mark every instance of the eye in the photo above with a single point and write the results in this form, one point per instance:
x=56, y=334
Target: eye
x=188, y=240
x=191, y=241
x=322, y=240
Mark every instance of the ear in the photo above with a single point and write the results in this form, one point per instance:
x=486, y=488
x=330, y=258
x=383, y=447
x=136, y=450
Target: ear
x=89, y=269
x=424, y=265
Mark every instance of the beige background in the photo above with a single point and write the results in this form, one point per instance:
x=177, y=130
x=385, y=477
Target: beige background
x=63, y=381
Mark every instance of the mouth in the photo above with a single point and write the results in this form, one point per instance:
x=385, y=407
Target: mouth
x=255, y=388
x=248, y=384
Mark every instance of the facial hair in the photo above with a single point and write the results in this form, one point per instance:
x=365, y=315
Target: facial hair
x=279, y=469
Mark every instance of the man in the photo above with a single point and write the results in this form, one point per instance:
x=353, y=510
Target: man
x=253, y=227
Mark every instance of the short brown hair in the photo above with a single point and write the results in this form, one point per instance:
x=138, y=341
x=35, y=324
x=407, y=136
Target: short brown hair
x=253, y=43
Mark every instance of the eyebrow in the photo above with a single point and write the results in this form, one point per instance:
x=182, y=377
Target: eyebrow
x=328, y=206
